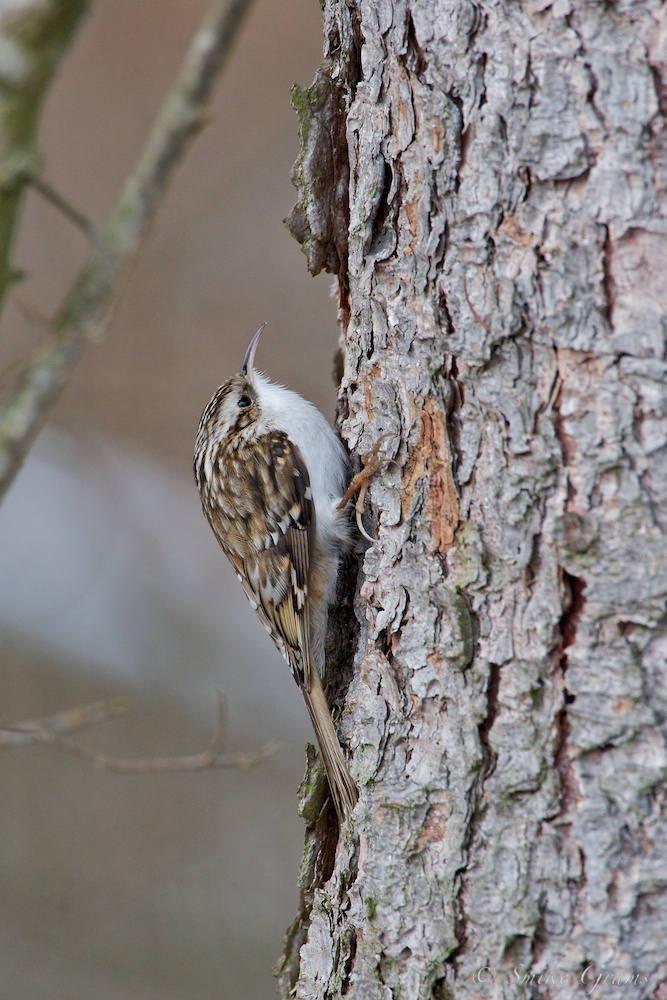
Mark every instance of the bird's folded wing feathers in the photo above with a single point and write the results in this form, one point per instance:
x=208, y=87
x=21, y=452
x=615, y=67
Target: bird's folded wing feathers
x=275, y=572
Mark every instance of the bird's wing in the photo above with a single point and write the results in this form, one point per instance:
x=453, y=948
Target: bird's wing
x=275, y=569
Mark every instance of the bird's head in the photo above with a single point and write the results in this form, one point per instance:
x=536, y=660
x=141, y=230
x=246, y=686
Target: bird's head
x=235, y=405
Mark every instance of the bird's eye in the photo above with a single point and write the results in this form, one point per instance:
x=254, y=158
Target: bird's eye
x=244, y=402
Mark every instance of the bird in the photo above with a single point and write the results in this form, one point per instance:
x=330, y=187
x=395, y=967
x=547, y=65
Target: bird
x=271, y=474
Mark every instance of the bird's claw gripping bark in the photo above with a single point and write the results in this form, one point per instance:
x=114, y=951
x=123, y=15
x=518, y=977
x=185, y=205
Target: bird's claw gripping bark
x=371, y=463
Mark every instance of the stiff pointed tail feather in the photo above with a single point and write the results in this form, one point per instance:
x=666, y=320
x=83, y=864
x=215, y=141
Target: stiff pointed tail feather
x=343, y=790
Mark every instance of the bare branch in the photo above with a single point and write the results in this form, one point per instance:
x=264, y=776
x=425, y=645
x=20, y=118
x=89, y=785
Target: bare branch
x=204, y=761
x=34, y=35
x=79, y=717
x=51, y=733
x=87, y=310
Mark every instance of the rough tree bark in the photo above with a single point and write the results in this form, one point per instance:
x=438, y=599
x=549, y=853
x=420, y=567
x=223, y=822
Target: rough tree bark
x=488, y=181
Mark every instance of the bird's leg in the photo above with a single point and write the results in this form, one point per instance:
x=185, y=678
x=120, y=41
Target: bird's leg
x=371, y=462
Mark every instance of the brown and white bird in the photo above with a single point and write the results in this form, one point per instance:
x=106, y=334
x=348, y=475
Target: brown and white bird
x=271, y=473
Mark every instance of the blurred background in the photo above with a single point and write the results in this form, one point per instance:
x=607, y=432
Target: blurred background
x=126, y=887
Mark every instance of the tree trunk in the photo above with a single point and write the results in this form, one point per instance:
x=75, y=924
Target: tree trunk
x=502, y=266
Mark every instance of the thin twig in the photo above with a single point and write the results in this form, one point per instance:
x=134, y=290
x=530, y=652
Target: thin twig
x=76, y=217
x=79, y=717
x=50, y=732
x=204, y=761
x=87, y=310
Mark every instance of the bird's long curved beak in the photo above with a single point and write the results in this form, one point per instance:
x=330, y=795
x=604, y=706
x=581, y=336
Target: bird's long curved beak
x=249, y=360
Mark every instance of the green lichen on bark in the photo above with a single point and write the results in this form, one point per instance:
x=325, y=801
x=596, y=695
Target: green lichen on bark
x=313, y=794
x=318, y=221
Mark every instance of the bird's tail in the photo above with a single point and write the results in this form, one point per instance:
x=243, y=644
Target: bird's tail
x=343, y=789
